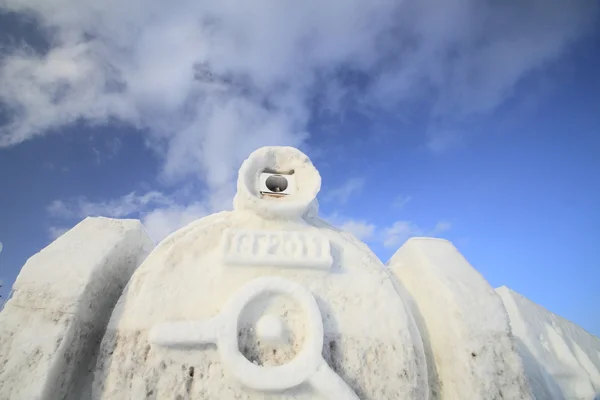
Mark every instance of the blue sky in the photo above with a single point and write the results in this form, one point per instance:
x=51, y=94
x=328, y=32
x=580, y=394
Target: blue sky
x=475, y=123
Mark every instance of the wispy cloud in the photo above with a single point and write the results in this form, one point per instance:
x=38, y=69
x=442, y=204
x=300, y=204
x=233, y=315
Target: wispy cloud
x=114, y=147
x=399, y=232
x=392, y=236
x=359, y=228
x=343, y=193
x=441, y=227
x=441, y=140
x=57, y=231
x=160, y=214
x=117, y=208
x=400, y=201
x=163, y=221
x=61, y=209
x=395, y=235
x=209, y=81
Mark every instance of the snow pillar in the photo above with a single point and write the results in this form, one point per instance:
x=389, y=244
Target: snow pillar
x=62, y=301
x=464, y=325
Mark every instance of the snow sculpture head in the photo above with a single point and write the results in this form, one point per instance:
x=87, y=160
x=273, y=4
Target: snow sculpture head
x=277, y=182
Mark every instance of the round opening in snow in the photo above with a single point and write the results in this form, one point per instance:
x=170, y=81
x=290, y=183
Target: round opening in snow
x=276, y=183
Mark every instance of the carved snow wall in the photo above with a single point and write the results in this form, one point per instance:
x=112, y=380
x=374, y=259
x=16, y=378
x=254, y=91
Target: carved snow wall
x=471, y=353
x=562, y=360
x=62, y=300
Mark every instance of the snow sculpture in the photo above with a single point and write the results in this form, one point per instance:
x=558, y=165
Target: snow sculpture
x=270, y=302
x=471, y=352
x=63, y=298
x=562, y=360
x=296, y=308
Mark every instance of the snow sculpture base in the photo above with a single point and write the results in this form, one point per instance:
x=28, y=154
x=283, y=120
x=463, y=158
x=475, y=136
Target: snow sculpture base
x=63, y=297
x=471, y=354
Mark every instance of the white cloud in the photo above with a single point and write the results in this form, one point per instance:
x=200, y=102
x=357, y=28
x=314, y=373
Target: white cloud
x=116, y=208
x=211, y=80
x=342, y=194
x=441, y=227
x=57, y=231
x=359, y=228
x=392, y=236
x=161, y=222
x=159, y=214
x=401, y=231
x=59, y=208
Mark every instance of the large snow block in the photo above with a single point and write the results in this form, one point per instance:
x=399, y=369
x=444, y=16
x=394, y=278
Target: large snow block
x=562, y=360
x=463, y=323
x=62, y=301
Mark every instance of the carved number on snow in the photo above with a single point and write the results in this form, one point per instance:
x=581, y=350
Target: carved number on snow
x=290, y=249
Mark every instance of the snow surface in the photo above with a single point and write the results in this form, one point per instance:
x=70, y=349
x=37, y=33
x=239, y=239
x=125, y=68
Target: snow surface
x=562, y=360
x=471, y=354
x=371, y=344
x=62, y=301
x=222, y=330
x=270, y=329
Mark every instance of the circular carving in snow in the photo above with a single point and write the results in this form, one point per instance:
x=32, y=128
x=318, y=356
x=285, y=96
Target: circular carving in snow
x=271, y=378
x=269, y=328
x=222, y=329
x=278, y=160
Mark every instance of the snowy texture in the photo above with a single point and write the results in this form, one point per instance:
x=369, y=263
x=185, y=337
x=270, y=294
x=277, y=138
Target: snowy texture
x=222, y=329
x=465, y=329
x=276, y=248
x=279, y=159
x=62, y=301
x=185, y=281
x=562, y=360
x=270, y=329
